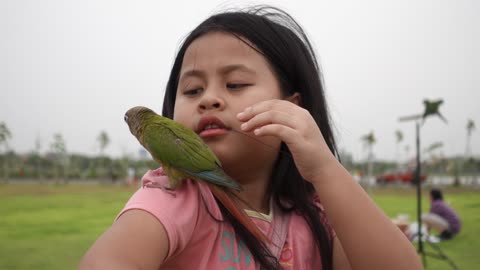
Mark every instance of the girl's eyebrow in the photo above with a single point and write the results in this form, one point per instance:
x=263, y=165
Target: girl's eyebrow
x=192, y=73
x=223, y=71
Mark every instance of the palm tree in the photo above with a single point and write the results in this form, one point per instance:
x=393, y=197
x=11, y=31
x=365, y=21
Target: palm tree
x=103, y=141
x=470, y=128
x=5, y=135
x=399, y=139
x=369, y=140
x=468, y=149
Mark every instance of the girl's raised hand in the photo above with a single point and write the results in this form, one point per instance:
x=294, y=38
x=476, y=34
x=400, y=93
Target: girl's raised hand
x=296, y=127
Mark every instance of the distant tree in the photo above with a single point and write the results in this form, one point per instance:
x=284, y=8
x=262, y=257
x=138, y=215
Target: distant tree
x=369, y=140
x=431, y=152
x=432, y=147
x=399, y=136
x=470, y=128
x=346, y=159
x=5, y=135
x=399, y=139
x=103, y=141
x=407, y=153
x=38, y=144
x=36, y=151
x=453, y=168
x=59, y=149
x=58, y=145
x=468, y=159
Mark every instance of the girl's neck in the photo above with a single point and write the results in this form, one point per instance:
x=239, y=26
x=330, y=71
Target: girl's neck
x=254, y=195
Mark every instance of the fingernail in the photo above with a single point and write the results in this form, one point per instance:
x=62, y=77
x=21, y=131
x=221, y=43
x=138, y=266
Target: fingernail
x=240, y=115
x=256, y=131
x=243, y=126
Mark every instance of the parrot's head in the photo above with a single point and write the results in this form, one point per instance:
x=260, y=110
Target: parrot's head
x=136, y=119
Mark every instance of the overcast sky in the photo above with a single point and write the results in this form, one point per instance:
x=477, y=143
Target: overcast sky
x=75, y=67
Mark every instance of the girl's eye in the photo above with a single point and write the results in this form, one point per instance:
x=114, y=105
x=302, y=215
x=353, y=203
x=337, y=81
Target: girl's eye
x=192, y=92
x=236, y=86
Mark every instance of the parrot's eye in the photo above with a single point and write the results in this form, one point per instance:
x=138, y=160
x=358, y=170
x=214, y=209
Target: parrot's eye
x=125, y=118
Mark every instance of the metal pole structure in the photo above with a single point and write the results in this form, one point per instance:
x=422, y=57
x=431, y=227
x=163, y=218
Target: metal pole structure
x=418, y=184
x=419, y=193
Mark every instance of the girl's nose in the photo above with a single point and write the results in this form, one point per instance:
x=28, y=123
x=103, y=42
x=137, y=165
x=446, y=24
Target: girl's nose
x=211, y=102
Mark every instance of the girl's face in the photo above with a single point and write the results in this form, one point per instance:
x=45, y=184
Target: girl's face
x=220, y=77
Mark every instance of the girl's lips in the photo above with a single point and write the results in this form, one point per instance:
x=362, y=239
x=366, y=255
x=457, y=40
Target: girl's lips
x=213, y=132
x=210, y=126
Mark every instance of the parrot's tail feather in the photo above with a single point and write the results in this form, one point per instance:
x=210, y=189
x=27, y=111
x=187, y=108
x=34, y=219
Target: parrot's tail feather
x=238, y=213
x=216, y=177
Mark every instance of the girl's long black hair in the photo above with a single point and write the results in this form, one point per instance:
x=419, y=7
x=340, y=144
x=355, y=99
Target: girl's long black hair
x=281, y=40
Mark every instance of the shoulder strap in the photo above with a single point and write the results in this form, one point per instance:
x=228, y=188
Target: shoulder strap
x=281, y=222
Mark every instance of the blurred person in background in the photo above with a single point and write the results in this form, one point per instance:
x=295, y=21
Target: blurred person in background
x=442, y=218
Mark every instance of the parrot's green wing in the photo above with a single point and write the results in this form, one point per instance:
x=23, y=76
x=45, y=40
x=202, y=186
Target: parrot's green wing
x=183, y=149
x=178, y=147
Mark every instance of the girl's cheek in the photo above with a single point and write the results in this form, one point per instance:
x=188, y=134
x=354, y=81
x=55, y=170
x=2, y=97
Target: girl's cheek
x=179, y=110
x=184, y=117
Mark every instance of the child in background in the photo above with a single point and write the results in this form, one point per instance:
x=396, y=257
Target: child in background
x=442, y=217
x=249, y=84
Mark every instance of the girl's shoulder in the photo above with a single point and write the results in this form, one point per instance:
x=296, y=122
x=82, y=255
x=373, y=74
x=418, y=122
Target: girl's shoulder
x=181, y=211
x=156, y=194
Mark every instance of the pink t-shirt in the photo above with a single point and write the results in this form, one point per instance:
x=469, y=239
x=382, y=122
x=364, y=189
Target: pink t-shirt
x=198, y=240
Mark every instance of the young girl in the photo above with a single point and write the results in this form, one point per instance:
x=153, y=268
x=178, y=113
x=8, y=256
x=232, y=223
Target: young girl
x=248, y=83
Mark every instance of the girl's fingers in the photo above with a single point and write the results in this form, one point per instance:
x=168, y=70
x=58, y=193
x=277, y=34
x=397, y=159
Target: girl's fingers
x=280, y=105
x=293, y=125
x=271, y=112
x=268, y=117
x=286, y=134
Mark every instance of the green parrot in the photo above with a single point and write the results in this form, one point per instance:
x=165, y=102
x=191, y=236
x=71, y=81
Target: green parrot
x=431, y=108
x=184, y=155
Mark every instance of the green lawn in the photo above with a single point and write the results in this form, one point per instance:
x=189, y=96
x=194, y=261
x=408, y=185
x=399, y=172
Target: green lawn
x=464, y=248
x=51, y=226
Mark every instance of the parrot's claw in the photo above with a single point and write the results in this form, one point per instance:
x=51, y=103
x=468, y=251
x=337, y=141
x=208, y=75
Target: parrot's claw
x=169, y=190
x=163, y=187
x=154, y=185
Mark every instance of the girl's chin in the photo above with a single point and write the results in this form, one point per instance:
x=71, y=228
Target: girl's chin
x=227, y=158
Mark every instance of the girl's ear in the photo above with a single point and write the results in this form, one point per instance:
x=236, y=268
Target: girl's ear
x=295, y=98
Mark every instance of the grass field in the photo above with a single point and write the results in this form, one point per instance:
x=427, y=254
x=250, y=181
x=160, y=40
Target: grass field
x=51, y=226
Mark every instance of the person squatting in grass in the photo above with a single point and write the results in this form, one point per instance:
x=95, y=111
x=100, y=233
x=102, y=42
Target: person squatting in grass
x=441, y=217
